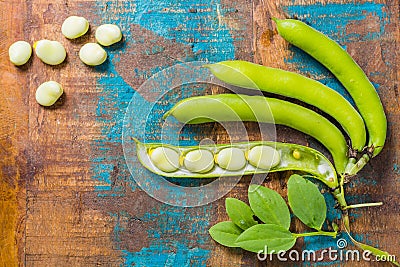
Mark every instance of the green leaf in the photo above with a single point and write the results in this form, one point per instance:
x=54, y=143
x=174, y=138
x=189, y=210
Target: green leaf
x=225, y=233
x=306, y=201
x=240, y=213
x=380, y=254
x=269, y=206
x=270, y=238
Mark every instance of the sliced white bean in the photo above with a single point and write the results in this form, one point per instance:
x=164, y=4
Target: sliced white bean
x=231, y=159
x=263, y=157
x=20, y=52
x=50, y=52
x=164, y=158
x=108, y=34
x=48, y=93
x=74, y=27
x=92, y=54
x=199, y=160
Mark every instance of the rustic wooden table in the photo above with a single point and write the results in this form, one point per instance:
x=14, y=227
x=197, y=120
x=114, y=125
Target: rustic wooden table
x=67, y=197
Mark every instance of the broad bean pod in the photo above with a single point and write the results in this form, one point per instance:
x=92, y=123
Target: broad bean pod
x=347, y=71
x=253, y=76
x=236, y=107
x=291, y=157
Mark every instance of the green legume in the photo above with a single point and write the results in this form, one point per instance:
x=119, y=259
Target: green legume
x=20, y=52
x=231, y=158
x=296, y=154
x=312, y=161
x=347, y=71
x=50, y=52
x=199, y=160
x=108, y=34
x=164, y=158
x=48, y=93
x=74, y=27
x=234, y=107
x=253, y=76
x=92, y=54
x=264, y=157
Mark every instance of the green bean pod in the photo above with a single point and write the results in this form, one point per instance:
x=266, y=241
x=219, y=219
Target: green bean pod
x=347, y=71
x=236, y=107
x=253, y=76
x=291, y=157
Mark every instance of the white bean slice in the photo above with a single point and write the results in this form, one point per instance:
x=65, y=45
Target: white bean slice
x=199, y=160
x=48, y=93
x=263, y=157
x=50, y=52
x=92, y=54
x=20, y=52
x=108, y=34
x=231, y=159
x=74, y=27
x=164, y=158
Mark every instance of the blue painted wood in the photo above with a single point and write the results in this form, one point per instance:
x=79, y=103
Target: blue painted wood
x=177, y=236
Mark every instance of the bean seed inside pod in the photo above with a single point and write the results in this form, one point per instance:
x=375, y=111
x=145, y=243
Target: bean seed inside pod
x=20, y=52
x=50, y=52
x=263, y=157
x=199, y=160
x=231, y=159
x=296, y=154
x=164, y=158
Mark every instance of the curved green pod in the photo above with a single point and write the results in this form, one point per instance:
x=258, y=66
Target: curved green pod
x=347, y=71
x=236, y=107
x=292, y=157
x=253, y=76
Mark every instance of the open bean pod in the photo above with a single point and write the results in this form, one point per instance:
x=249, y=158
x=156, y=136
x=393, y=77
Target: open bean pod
x=234, y=159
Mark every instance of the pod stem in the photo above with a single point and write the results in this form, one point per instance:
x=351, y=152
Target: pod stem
x=338, y=193
x=353, y=168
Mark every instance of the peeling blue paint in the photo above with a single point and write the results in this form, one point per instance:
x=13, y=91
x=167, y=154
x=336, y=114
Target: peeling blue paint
x=396, y=168
x=210, y=41
x=181, y=255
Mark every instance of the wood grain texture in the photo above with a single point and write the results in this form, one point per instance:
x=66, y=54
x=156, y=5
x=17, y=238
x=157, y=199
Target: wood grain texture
x=13, y=137
x=66, y=194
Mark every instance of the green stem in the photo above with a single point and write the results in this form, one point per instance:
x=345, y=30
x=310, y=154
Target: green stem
x=359, y=165
x=350, y=165
x=339, y=195
x=363, y=205
x=373, y=250
x=332, y=234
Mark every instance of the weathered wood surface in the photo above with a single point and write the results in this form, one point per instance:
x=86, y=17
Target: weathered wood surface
x=66, y=195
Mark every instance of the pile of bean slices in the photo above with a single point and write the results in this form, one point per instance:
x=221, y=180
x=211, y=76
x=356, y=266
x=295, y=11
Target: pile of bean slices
x=350, y=154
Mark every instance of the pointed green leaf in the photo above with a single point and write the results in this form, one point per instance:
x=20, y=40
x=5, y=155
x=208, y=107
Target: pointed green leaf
x=269, y=206
x=380, y=254
x=270, y=238
x=225, y=233
x=306, y=201
x=240, y=213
